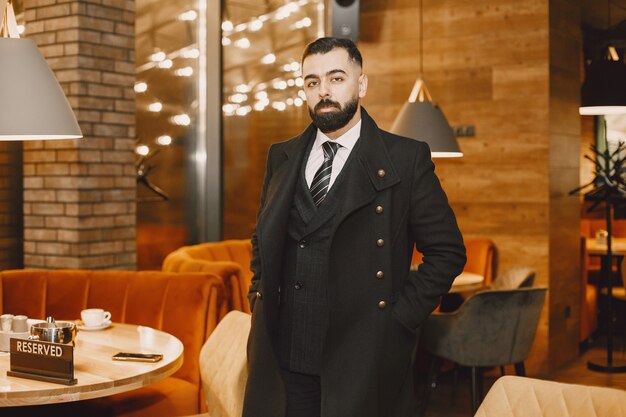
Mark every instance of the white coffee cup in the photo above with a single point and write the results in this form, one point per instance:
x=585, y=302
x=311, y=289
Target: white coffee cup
x=93, y=317
x=6, y=321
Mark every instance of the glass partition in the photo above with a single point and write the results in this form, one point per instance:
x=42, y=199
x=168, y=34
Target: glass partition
x=262, y=98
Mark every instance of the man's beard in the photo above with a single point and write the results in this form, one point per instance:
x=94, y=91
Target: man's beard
x=332, y=121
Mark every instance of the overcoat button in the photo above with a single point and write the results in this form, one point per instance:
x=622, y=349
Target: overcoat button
x=381, y=173
x=298, y=285
x=379, y=209
x=302, y=244
x=380, y=243
x=382, y=304
x=258, y=295
x=380, y=274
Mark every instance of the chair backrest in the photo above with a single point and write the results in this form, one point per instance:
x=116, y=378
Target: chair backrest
x=491, y=328
x=514, y=277
x=513, y=396
x=223, y=368
x=229, y=259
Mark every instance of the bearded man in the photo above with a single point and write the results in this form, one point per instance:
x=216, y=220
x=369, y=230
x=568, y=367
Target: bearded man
x=335, y=311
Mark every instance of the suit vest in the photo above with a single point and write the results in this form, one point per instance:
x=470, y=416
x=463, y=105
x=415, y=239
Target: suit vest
x=303, y=314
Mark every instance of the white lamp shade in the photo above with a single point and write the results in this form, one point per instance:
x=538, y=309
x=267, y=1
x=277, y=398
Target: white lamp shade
x=423, y=121
x=32, y=103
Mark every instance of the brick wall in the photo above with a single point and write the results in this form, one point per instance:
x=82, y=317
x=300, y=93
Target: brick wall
x=79, y=195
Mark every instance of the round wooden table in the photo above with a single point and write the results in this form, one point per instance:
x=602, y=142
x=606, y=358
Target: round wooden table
x=97, y=374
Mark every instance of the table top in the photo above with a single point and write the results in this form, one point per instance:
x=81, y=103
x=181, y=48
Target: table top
x=97, y=374
x=467, y=282
x=618, y=246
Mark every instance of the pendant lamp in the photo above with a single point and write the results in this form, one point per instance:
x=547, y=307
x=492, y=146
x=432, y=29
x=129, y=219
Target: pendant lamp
x=33, y=106
x=420, y=118
x=604, y=89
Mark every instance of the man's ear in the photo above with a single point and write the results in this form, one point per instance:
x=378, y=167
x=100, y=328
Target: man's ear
x=362, y=85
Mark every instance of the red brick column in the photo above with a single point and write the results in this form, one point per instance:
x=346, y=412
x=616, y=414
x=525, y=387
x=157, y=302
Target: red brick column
x=79, y=195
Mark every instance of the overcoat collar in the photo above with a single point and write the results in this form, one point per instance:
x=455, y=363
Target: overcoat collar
x=373, y=171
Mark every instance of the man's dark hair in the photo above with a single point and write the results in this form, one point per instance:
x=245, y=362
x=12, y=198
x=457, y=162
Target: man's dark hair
x=325, y=45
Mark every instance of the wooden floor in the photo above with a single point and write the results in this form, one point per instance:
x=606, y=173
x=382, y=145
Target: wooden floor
x=445, y=401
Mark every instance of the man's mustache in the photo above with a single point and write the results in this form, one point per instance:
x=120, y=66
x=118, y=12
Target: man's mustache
x=326, y=103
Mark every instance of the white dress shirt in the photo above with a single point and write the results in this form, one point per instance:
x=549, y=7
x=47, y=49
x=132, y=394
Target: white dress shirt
x=316, y=157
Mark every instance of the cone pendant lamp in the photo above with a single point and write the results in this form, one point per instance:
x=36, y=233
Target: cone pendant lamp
x=32, y=103
x=420, y=118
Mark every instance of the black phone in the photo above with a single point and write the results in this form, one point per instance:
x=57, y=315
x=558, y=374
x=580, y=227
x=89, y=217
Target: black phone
x=137, y=357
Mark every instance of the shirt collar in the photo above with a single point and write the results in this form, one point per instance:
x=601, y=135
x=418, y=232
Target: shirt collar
x=347, y=140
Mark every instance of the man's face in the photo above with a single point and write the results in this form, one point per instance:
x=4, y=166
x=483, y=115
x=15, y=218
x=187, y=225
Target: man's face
x=333, y=85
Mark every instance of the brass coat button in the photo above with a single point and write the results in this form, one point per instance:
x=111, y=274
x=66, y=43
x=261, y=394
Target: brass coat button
x=381, y=173
x=379, y=209
x=382, y=304
x=380, y=274
x=258, y=295
x=380, y=243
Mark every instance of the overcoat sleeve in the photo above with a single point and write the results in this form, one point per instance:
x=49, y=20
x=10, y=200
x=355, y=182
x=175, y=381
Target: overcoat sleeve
x=433, y=227
x=255, y=263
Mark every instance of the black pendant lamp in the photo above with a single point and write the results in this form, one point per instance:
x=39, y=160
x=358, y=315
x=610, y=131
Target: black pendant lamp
x=604, y=89
x=420, y=118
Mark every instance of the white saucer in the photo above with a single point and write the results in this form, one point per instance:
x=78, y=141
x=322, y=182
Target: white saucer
x=103, y=326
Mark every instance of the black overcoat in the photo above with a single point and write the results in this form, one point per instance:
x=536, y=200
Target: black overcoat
x=393, y=200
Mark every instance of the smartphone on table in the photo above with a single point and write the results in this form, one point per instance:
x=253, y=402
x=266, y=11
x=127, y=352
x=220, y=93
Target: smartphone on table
x=137, y=357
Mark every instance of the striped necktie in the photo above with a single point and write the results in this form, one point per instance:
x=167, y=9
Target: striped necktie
x=321, y=180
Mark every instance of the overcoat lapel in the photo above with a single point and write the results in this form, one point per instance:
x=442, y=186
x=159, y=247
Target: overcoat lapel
x=279, y=197
x=364, y=180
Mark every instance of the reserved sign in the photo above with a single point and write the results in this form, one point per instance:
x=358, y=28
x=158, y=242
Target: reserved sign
x=44, y=361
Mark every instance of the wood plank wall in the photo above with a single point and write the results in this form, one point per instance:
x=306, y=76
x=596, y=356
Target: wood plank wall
x=502, y=66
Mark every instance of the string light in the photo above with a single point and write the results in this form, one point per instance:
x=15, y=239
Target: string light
x=243, y=88
x=243, y=43
x=141, y=87
x=227, y=26
x=226, y=41
x=164, y=140
x=242, y=111
x=268, y=59
x=279, y=105
x=21, y=29
x=142, y=150
x=184, y=72
x=298, y=102
x=155, y=107
x=238, y=98
x=166, y=64
x=255, y=25
x=181, y=119
x=190, y=53
x=158, y=56
x=188, y=16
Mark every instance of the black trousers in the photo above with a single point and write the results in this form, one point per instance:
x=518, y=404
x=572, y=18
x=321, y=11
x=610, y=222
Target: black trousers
x=304, y=394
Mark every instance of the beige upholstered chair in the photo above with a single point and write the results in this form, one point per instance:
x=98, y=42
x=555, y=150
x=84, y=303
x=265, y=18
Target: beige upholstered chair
x=513, y=396
x=223, y=367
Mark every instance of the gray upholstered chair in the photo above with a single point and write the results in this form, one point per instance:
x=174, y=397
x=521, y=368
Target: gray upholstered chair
x=491, y=328
x=514, y=277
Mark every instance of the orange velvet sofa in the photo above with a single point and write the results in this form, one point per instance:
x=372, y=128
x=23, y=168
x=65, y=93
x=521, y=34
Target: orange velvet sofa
x=187, y=305
x=229, y=259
